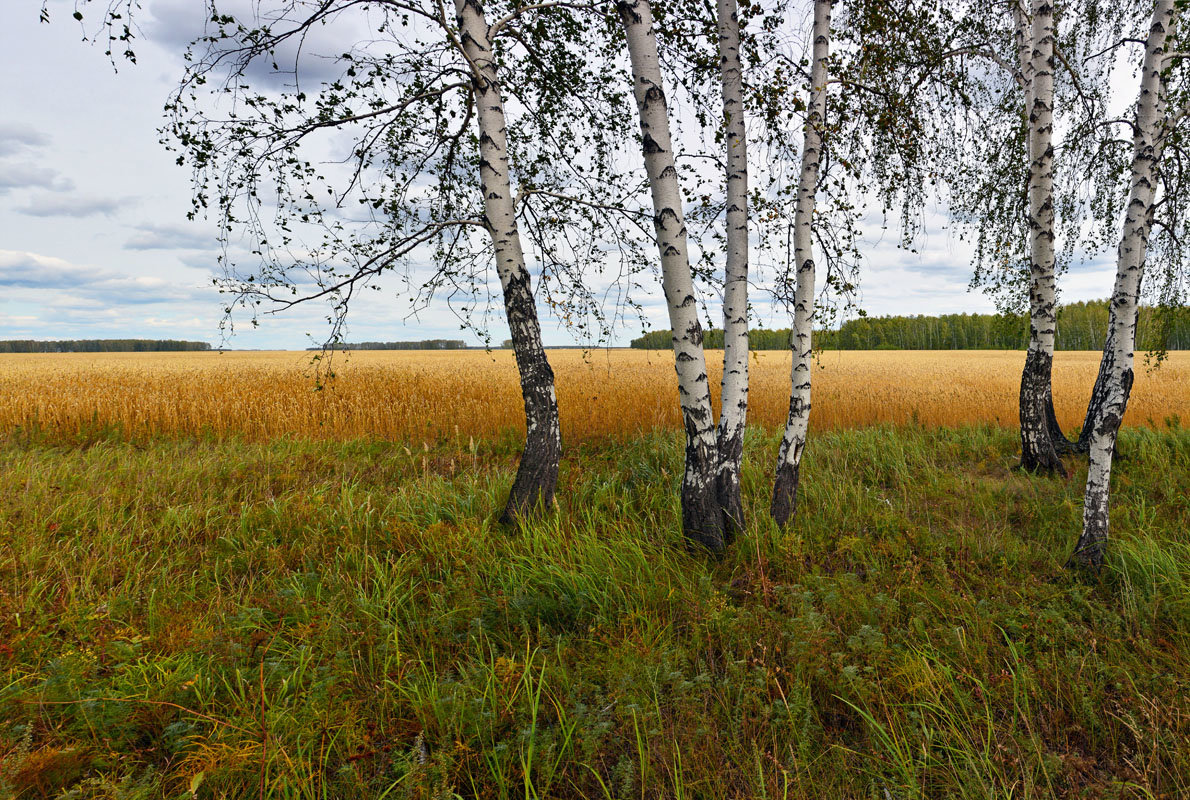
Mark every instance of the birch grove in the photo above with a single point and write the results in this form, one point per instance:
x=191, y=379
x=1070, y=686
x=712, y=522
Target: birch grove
x=500, y=140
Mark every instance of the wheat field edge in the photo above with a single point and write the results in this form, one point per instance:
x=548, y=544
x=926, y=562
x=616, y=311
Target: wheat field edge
x=426, y=395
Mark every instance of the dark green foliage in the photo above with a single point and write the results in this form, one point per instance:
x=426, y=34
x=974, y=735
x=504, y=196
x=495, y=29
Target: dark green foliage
x=1081, y=326
x=758, y=339
x=424, y=344
x=99, y=346
x=344, y=620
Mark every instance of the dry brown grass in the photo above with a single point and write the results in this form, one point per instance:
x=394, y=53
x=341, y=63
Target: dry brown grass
x=424, y=395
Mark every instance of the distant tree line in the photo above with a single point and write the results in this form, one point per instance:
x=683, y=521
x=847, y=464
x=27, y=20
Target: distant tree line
x=424, y=344
x=1081, y=326
x=100, y=346
x=712, y=338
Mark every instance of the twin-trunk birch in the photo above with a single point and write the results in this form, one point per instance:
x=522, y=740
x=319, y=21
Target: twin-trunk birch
x=1041, y=438
x=537, y=476
x=793, y=443
x=1115, y=372
x=703, y=518
x=733, y=412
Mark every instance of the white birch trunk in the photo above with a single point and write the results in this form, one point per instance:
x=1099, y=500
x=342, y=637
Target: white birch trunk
x=702, y=516
x=1038, y=447
x=1130, y=264
x=789, y=457
x=537, y=475
x=733, y=415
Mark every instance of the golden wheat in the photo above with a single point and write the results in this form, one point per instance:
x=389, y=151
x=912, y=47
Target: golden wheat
x=425, y=395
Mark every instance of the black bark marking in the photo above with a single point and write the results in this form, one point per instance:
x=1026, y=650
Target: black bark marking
x=784, y=504
x=1038, y=453
x=537, y=475
x=731, y=451
x=703, y=520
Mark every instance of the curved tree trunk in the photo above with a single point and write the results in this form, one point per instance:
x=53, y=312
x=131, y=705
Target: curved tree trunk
x=1130, y=264
x=1038, y=450
x=1062, y=445
x=702, y=516
x=789, y=457
x=537, y=476
x=734, y=396
x=1100, y=392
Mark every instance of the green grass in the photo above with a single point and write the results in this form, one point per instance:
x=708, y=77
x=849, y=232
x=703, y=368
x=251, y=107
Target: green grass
x=332, y=620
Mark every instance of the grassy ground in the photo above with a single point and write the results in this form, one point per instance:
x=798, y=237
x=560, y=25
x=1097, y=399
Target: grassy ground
x=329, y=620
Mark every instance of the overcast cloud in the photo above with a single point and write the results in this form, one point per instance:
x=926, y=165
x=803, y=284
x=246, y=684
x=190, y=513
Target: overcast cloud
x=94, y=240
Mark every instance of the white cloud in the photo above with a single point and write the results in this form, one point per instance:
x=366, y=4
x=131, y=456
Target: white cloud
x=104, y=288
x=153, y=236
x=31, y=176
x=16, y=137
x=75, y=206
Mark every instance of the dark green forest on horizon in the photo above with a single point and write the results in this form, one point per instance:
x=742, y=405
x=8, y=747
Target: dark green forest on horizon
x=1081, y=326
x=99, y=346
x=423, y=344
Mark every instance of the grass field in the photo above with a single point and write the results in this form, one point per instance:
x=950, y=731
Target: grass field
x=255, y=615
x=423, y=396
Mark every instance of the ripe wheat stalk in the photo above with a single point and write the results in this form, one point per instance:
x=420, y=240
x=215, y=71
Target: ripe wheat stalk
x=421, y=395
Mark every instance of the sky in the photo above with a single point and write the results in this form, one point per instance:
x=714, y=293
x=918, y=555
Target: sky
x=95, y=243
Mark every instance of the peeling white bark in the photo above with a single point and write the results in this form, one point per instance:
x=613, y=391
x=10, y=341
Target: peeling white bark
x=1151, y=116
x=538, y=472
x=789, y=457
x=702, y=517
x=734, y=395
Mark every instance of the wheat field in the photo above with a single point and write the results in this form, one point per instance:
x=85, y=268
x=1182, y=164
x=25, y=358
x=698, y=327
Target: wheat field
x=426, y=395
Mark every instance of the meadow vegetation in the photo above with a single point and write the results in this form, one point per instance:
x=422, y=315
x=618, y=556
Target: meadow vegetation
x=250, y=614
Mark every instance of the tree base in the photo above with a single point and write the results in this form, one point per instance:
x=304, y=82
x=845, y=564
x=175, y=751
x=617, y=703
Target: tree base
x=1088, y=557
x=732, y=506
x=1062, y=445
x=703, y=521
x=1043, y=464
x=783, y=508
x=536, y=481
x=1038, y=453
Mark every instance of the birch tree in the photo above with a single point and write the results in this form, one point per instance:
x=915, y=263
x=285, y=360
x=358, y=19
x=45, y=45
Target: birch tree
x=1153, y=125
x=537, y=475
x=869, y=114
x=434, y=171
x=793, y=442
x=1003, y=176
x=703, y=518
x=724, y=84
x=1039, y=428
x=733, y=415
